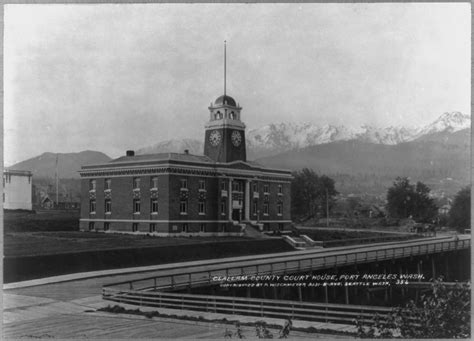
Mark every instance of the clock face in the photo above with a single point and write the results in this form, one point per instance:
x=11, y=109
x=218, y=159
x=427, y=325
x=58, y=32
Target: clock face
x=215, y=138
x=236, y=138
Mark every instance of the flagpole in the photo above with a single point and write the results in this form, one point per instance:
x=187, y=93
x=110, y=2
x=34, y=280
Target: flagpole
x=225, y=66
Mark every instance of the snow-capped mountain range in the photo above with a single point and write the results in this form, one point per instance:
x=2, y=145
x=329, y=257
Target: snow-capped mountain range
x=279, y=137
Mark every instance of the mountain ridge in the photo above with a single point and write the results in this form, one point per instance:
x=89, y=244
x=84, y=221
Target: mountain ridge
x=276, y=138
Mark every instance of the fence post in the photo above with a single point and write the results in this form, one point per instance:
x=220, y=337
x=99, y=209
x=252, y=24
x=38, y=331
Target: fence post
x=261, y=309
x=130, y=285
x=172, y=281
x=154, y=284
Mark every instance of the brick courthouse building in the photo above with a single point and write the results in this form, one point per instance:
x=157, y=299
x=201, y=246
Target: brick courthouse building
x=218, y=193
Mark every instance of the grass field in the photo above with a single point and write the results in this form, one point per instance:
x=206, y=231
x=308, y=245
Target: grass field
x=51, y=242
x=19, y=221
x=326, y=235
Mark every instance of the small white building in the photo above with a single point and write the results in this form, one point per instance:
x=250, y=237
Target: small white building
x=17, y=190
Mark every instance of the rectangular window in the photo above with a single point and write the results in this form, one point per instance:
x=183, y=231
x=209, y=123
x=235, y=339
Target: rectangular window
x=184, y=183
x=202, y=185
x=223, y=207
x=136, y=206
x=108, y=206
x=154, y=182
x=154, y=206
x=134, y=227
x=266, y=227
x=279, y=209
x=183, y=207
x=265, y=209
x=92, y=184
x=203, y=227
x=265, y=188
x=223, y=227
x=236, y=186
x=254, y=208
x=280, y=189
x=280, y=226
x=107, y=184
x=224, y=185
x=184, y=227
x=255, y=186
x=91, y=225
x=152, y=227
x=92, y=206
x=106, y=226
x=136, y=183
x=202, y=207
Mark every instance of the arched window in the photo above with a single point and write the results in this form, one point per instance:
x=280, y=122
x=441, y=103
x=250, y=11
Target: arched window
x=232, y=116
x=218, y=115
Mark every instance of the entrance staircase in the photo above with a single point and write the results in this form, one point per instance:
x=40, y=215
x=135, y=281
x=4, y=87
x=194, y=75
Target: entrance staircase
x=301, y=242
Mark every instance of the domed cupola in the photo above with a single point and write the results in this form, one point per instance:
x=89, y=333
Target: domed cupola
x=225, y=100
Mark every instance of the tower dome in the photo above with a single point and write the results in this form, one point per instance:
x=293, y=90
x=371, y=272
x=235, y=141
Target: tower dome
x=225, y=100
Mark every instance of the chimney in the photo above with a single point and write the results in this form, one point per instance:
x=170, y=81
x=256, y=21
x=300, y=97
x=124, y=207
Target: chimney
x=130, y=153
x=186, y=151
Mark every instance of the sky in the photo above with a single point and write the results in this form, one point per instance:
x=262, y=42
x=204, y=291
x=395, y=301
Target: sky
x=112, y=77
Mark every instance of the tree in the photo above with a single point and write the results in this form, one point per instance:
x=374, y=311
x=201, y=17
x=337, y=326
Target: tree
x=405, y=200
x=443, y=313
x=308, y=194
x=460, y=213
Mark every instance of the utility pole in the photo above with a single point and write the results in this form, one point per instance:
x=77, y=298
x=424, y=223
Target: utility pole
x=57, y=182
x=327, y=208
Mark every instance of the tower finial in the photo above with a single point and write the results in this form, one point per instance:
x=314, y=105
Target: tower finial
x=225, y=66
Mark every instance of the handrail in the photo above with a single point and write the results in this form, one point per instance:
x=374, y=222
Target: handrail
x=259, y=307
x=315, y=262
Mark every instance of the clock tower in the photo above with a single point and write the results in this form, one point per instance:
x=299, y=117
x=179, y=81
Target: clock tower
x=225, y=132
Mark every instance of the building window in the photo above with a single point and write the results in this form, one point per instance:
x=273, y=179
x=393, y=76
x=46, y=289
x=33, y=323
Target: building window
x=224, y=185
x=136, y=206
x=236, y=186
x=184, y=183
x=255, y=186
x=254, y=208
x=106, y=226
x=107, y=184
x=223, y=207
x=92, y=185
x=265, y=189
x=183, y=207
x=152, y=227
x=202, y=207
x=108, y=206
x=280, y=226
x=280, y=189
x=279, y=209
x=154, y=182
x=223, y=227
x=266, y=226
x=136, y=183
x=202, y=185
x=134, y=227
x=91, y=225
x=265, y=209
x=203, y=227
x=154, y=206
x=184, y=228
x=92, y=206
